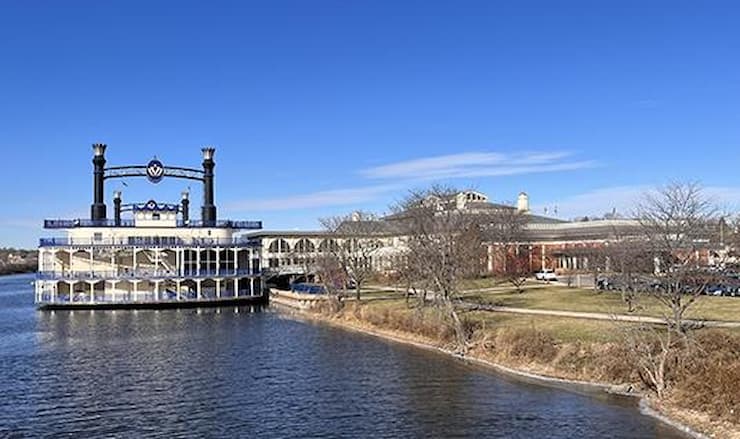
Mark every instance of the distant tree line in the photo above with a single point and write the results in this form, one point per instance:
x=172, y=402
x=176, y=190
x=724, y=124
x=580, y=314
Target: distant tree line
x=14, y=261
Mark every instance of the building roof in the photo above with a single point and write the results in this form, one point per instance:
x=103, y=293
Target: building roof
x=581, y=230
x=287, y=234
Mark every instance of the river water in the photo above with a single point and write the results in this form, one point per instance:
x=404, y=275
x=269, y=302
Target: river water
x=245, y=373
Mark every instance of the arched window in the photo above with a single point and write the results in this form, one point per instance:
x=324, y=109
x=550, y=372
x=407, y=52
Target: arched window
x=304, y=246
x=328, y=245
x=279, y=246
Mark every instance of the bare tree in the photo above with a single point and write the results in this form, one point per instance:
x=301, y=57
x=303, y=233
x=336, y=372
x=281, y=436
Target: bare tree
x=357, y=236
x=630, y=266
x=411, y=274
x=655, y=351
x=517, y=268
x=444, y=246
x=677, y=222
x=331, y=275
x=729, y=240
x=504, y=228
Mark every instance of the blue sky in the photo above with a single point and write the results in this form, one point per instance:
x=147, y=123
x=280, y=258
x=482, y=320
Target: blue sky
x=323, y=107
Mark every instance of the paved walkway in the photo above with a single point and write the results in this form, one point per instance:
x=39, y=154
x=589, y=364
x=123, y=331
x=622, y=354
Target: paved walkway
x=571, y=314
x=498, y=288
x=596, y=315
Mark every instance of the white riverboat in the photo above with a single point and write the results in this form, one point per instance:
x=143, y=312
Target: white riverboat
x=155, y=256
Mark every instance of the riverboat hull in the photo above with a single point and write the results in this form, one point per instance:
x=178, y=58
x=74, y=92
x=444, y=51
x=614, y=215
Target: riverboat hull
x=170, y=304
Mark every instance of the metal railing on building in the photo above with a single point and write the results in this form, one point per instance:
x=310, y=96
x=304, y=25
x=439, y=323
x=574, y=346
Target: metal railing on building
x=150, y=241
x=83, y=222
x=145, y=274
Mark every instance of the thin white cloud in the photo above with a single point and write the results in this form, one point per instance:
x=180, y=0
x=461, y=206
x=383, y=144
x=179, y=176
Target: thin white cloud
x=594, y=203
x=726, y=197
x=403, y=175
x=624, y=199
x=337, y=197
x=476, y=164
x=424, y=166
x=512, y=170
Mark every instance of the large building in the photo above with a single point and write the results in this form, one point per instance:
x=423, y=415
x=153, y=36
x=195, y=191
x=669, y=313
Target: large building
x=149, y=253
x=549, y=243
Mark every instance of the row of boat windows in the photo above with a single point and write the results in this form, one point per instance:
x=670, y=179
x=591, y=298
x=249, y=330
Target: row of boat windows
x=162, y=240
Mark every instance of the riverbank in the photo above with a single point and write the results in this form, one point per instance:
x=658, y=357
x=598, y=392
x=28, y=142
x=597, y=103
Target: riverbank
x=594, y=366
x=17, y=261
x=8, y=270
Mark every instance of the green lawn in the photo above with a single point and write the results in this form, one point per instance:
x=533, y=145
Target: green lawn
x=562, y=329
x=485, y=282
x=538, y=295
x=574, y=299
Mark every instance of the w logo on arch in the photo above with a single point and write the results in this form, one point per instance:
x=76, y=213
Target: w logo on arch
x=155, y=171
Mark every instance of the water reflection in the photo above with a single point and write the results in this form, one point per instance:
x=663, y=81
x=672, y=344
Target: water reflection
x=240, y=372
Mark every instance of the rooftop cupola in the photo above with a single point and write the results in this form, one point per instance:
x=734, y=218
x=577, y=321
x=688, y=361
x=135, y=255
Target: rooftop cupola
x=522, y=202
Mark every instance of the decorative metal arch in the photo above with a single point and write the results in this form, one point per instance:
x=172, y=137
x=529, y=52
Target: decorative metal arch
x=141, y=171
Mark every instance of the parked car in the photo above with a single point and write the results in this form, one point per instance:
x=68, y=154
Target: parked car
x=306, y=288
x=715, y=290
x=606, y=284
x=546, y=274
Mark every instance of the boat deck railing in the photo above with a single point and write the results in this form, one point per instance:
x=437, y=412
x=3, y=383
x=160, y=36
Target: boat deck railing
x=145, y=274
x=150, y=241
x=83, y=222
x=140, y=297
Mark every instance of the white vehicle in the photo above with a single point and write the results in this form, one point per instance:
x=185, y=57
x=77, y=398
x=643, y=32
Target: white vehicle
x=546, y=274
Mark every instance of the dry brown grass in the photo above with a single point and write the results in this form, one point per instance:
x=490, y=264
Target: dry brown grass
x=430, y=323
x=513, y=341
x=528, y=344
x=709, y=381
x=609, y=363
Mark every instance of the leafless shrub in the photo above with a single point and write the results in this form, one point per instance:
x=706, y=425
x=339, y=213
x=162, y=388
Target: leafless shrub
x=656, y=352
x=355, y=239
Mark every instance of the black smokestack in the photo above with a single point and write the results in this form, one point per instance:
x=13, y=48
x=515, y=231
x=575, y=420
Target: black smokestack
x=185, y=207
x=208, y=213
x=98, y=210
x=117, y=208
